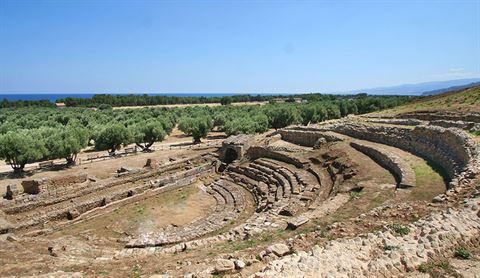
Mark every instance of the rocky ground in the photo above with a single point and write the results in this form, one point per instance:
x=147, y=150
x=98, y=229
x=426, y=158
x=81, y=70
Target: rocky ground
x=362, y=222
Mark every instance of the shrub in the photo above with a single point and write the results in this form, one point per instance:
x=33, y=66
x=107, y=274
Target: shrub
x=354, y=195
x=423, y=268
x=399, y=229
x=462, y=253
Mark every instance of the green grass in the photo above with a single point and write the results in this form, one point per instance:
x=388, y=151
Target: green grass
x=462, y=253
x=474, y=133
x=399, y=229
x=379, y=200
x=430, y=181
x=423, y=268
x=355, y=195
x=256, y=240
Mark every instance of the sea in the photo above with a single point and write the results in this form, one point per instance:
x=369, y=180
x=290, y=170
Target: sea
x=54, y=96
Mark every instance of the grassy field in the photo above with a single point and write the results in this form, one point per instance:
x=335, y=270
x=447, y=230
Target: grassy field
x=460, y=101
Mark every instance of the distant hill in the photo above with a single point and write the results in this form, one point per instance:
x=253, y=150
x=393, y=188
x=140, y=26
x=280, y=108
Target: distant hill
x=454, y=88
x=417, y=89
x=463, y=100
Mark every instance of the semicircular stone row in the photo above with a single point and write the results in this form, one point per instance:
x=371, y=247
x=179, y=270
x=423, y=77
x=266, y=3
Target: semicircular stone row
x=275, y=186
x=230, y=203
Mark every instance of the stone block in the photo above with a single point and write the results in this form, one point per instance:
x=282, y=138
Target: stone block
x=279, y=249
x=296, y=222
x=222, y=265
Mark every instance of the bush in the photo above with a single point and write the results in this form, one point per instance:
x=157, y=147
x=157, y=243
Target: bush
x=104, y=107
x=423, y=268
x=354, y=195
x=226, y=100
x=399, y=229
x=462, y=253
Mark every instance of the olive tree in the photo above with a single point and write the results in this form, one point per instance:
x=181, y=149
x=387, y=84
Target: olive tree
x=67, y=143
x=282, y=116
x=20, y=148
x=147, y=134
x=112, y=137
x=198, y=127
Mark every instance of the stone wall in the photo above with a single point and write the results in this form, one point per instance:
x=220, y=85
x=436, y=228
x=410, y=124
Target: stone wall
x=257, y=152
x=38, y=186
x=401, y=170
x=74, y=208
x=411, y=122
x=450, y=148
x=443, y=115
x=306, y=137
x=238, y=143
x=457, y=124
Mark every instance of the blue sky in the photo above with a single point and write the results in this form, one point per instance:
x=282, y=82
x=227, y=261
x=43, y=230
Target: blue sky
x=234, y=46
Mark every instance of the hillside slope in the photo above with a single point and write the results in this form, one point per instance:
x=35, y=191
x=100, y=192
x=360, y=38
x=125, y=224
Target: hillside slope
x=467, y=100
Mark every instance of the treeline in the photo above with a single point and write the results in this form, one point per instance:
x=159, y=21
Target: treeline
x=34, y=134
x=5, y=103
x=150, y=100
x=107, y=100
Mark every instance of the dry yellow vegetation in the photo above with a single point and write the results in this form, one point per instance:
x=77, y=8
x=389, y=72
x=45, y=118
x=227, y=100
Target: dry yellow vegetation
x=467, y=100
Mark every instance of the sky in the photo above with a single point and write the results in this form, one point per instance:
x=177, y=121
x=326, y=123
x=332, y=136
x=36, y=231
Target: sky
x=124, y=46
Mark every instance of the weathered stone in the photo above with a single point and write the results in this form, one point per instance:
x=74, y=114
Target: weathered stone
x=11, y=192
x=239, y=264
x=222, y=265
x=5, y=226
x=12, y=238
x=296, y=222
x=72, y=214
x=124, y=169
x=279, y=249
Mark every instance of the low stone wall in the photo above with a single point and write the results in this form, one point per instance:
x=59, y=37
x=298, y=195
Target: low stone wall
x=74, y=209
x=257, y=152
x=443, y=115
x=401, y=170
x=37, y=186
x=457, y=124
x=411, y=122
x=450, y=148
x=306, y=137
